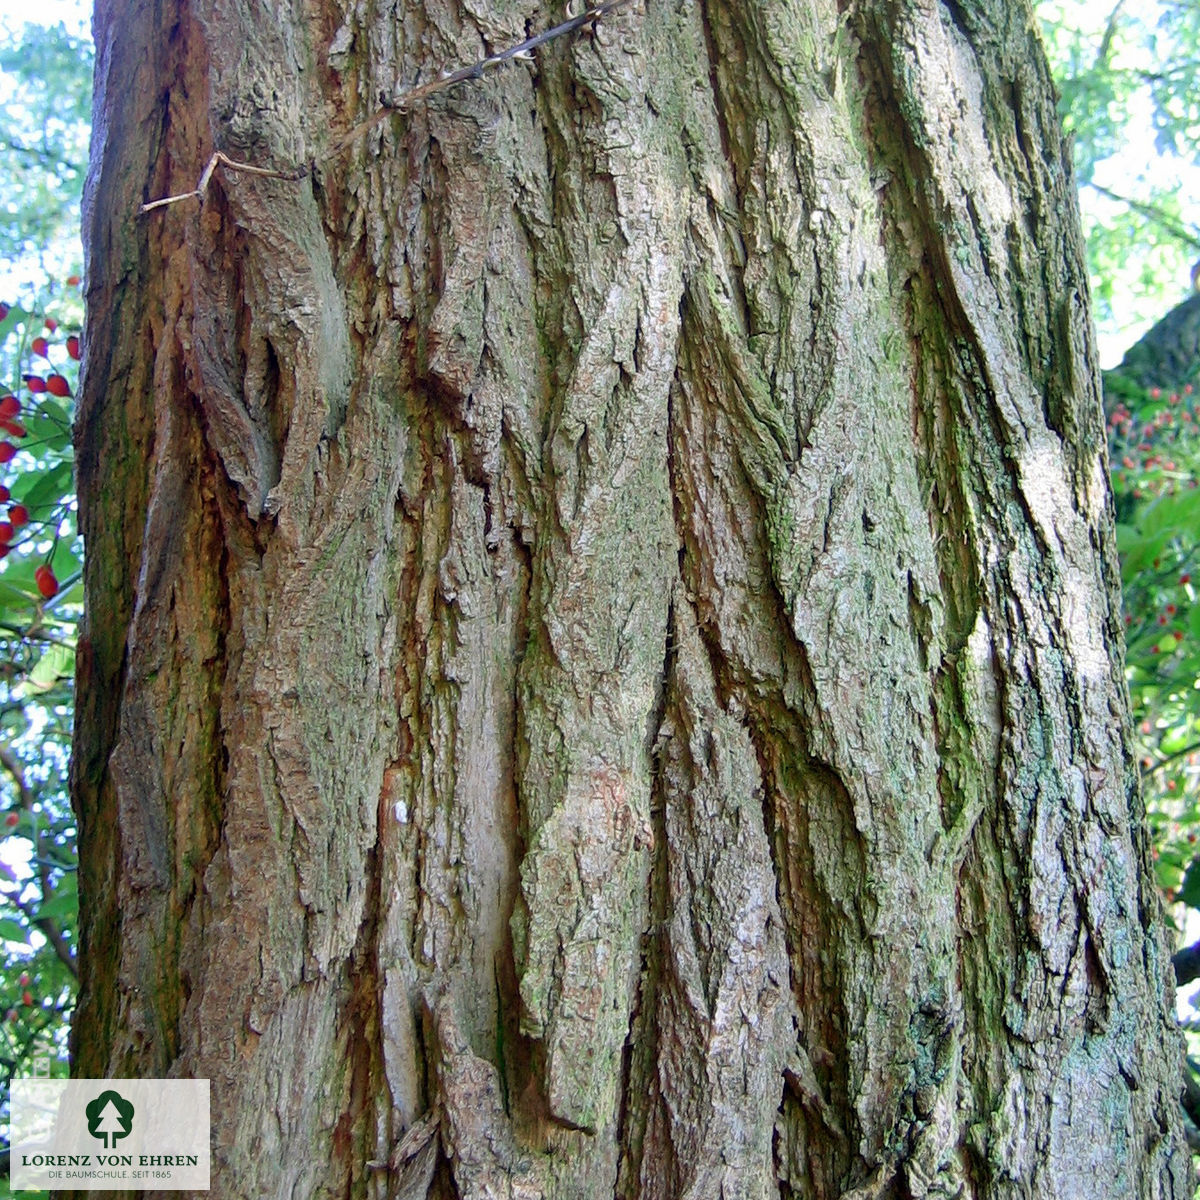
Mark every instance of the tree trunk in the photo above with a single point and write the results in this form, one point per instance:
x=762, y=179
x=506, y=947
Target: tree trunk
x=1167, y=354
x=602, y=668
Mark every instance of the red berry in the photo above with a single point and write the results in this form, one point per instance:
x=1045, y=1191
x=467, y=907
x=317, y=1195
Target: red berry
x=4, y=311
x=24, y=980
x=1185, y=579
x=73, y=347
x=46, y=583
x=57, y=385
x=6, y=532
x=26, y=997
x=1179, y=635
x=12, y=819
x=5, y=494
x=72, y=281
x=35, y=383
x=51, y=324
x=13, y=1015
x=9, y=406
x=13, y=428
x=7, y=451
x=1154, y=648
x=18, y=515
x=1170, y=607
x=40, y=347
x=1162, y=620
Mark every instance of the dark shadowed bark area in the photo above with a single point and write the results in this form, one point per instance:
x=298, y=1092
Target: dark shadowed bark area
x=602, y=669
x=1167, y=355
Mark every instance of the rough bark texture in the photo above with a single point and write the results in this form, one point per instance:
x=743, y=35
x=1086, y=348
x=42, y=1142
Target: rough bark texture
x=602, y=674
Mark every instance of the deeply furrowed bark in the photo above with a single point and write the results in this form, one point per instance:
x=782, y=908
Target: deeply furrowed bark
x=601, y=673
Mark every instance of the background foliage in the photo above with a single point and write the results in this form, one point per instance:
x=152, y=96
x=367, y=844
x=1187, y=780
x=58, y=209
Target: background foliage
x=1129, y=75
x=45, y=89
x=45, y=94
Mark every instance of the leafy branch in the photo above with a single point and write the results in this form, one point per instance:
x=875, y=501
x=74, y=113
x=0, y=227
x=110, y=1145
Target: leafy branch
x=48, y=928
x=1151, y=212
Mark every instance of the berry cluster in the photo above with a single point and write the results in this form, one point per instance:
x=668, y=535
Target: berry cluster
x=1154, y=449
x=41, y=380
x=1162, y=623
x=23, y=982
x=40, y=558
x=1147, y=446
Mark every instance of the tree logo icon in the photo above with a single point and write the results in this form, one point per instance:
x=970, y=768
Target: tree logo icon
x=109, y=1116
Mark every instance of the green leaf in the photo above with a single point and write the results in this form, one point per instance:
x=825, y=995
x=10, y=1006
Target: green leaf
x=13, y=931
x=39, y=490
x=16, y=316
x=1189, y=893
x=12, y=594
x=63, y=905
x=45, y=434
x=57, y=662
x=1171, y=513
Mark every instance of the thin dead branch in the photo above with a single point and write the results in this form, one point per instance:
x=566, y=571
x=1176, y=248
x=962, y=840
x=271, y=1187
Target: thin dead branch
x=389, y=107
